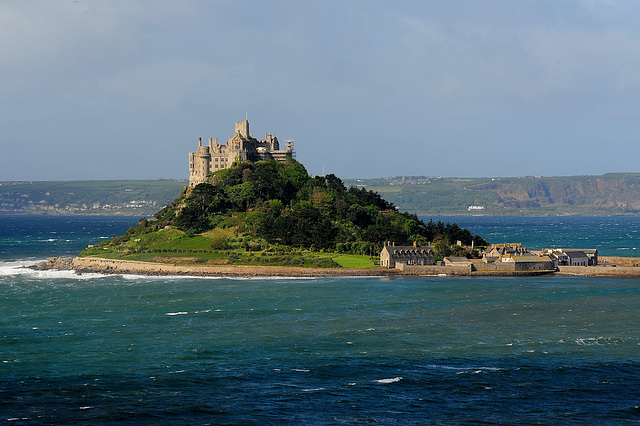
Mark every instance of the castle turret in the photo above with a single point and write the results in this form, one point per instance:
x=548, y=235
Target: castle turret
x=242, y=127
x=199, y=164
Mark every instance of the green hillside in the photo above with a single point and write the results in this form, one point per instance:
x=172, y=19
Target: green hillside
x=612, y=193
x=260, y=211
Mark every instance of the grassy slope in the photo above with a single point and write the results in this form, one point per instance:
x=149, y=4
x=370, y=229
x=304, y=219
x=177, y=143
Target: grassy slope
x=173, y=246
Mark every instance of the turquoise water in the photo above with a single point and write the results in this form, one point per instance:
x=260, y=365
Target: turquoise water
x=129, y=349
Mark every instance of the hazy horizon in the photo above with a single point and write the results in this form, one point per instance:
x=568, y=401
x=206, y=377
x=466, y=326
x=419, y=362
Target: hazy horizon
x=367, y=89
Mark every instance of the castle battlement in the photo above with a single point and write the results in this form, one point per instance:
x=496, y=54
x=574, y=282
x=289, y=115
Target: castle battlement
x=239, y=147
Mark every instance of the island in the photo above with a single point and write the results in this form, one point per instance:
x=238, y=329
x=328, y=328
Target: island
x=251, y=209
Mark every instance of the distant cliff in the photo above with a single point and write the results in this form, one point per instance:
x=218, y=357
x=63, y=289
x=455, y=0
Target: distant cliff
x=612, y=193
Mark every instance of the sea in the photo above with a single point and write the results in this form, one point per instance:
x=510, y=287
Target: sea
x=124, y=349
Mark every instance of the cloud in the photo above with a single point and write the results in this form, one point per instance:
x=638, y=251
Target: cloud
x=355, y=77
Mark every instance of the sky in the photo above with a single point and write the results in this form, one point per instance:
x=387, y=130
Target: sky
x=94, y=89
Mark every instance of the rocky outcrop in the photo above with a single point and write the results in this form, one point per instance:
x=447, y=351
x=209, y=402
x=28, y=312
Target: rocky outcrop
x=57, y=263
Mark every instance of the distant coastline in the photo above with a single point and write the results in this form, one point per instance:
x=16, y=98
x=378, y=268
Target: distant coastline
x=604, y=195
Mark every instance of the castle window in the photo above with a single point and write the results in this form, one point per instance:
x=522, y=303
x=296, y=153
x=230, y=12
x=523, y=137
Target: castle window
x=216, y=158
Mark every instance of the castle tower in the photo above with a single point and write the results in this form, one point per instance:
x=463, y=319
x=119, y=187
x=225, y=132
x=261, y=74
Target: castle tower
x=199, y=164
x=242, y=127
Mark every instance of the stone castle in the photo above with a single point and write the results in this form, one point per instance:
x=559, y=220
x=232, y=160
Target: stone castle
x=241, y=146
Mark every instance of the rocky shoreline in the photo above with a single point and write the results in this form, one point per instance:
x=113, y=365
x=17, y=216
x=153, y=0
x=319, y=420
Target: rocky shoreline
x=627, y=267
x=116, y=266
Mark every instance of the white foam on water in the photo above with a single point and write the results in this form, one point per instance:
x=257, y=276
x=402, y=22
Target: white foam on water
x=135, y=277
x=16, y=267
x=464, y=370
x=21, y=267
x=387, y=381
x=176, y=313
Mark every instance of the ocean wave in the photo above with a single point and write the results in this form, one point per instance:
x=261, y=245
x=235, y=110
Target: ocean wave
x=387, y=381
x=461, y=370
x=22, y=267
x=217, y=277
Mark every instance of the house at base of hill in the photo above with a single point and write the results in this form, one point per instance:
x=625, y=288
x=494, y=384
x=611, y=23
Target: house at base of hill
x=573, y=257
x=456, y=261
x=496, y=251
x=506, y=263
x=526, y=263
x=391, y=255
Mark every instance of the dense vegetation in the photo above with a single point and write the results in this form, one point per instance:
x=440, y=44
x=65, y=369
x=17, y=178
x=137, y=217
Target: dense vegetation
x=271, y=206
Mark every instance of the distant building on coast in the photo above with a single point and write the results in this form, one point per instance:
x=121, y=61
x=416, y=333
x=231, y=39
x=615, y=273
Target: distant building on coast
x=239, y=147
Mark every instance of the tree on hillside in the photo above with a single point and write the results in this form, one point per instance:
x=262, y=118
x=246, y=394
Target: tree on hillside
x=282, y=204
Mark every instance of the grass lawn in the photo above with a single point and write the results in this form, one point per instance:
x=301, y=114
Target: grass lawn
x=353, y=261
x=309, y=260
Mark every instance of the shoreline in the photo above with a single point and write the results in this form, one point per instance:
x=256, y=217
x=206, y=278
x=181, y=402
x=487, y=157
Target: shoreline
x=83, y=265
x=133, y=267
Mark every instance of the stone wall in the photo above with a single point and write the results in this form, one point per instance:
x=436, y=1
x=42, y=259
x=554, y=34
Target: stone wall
x=433, y=269
x=622, y=261
x=600, y=271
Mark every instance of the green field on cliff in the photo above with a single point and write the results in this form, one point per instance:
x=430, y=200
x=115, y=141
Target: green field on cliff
x=609, y=194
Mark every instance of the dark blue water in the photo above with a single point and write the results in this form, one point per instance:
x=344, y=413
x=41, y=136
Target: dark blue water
x=37, y=237
x=611, y=235
x=127, y=349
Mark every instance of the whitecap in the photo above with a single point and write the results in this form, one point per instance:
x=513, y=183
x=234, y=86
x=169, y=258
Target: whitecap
x=23, y=268
x=386, y=381
x=176, y=313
